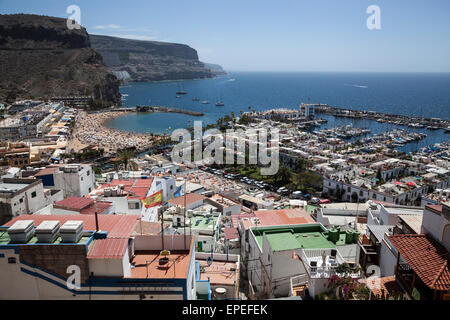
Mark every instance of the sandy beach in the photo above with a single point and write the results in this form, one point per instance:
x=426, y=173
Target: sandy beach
x=90, y=130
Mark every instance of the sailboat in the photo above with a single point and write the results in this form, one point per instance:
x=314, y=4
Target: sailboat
x=181, y=91
x=219, y=103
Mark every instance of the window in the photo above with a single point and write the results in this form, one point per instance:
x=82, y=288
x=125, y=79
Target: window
x=88, y=173
x=11, y=260
x=133, y=205
x=81, y=179
x=21, y=200
x=90, y=189
x=33, y=194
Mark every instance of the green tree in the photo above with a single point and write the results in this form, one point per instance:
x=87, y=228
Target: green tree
x=126, y=161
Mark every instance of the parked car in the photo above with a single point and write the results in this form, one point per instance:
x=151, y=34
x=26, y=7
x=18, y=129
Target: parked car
x=297, y=194
x=306, y=196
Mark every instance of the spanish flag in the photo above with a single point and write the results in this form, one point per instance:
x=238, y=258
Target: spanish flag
x=153, y=200
x=295, y=256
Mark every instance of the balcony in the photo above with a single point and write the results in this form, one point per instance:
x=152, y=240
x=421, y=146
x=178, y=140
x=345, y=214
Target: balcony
x=322, y=263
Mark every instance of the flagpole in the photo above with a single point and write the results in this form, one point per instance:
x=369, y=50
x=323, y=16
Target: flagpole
x=184, y=224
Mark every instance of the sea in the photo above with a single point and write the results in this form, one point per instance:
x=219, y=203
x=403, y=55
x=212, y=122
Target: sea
x=418, y=94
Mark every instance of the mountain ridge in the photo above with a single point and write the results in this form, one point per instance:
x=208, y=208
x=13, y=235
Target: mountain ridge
x=146, y=60
x=42, y=58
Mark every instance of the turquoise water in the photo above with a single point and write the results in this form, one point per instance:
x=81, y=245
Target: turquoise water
x=422, y=94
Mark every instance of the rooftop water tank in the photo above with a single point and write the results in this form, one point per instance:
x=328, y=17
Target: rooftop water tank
x=47, y=231
x=348, y=237
x=21, y=231
x=333, y=235
x=356, y=236
x=71, y=231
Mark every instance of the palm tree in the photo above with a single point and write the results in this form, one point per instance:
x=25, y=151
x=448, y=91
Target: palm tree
x=283, y=175
x=126, y=157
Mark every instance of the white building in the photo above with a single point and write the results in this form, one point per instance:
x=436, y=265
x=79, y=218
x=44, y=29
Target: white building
x=272, y=271
x=20, y=196
x=75, y=180
x=436, y=222
x=112, y=264
x=307, y=110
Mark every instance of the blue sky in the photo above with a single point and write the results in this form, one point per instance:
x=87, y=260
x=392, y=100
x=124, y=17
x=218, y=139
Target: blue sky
x=282, y=35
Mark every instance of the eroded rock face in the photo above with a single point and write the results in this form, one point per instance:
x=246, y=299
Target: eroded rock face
x=42, y=58
x=150, y=60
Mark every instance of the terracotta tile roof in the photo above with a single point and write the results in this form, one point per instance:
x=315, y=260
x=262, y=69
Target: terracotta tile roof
x=231, y=233
x=82, y=205
x=427, y=257
x=134, y=188
x=118, y=226
x=113, y=248
x=190, y=198
x=388, y=284
x=102, y=206
x=74, y=203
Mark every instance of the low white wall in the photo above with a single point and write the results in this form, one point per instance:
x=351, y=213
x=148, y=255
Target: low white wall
x=154, y=242
x=217, y=256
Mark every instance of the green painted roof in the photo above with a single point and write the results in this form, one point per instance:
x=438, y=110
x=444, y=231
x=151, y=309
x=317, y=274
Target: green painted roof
x=307, y=236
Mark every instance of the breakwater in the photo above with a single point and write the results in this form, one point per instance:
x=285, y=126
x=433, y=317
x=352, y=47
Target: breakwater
x=402, y=120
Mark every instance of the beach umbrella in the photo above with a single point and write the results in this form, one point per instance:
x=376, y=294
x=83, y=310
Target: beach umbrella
x=397, y=182
x=410, y=183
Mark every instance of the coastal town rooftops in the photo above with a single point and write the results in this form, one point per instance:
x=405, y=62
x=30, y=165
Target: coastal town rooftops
x=281, y=217
x=132, y=188
x=113, y=248
x=189, y=198
x=427, y=257
x=388, y=285
x=10, y=186
x=117, y=226
x=147, y=265
x=203, y=222
x=218, y=272
x=413, y=221
x=275, y=217
x=231, y=233
x=82, y=205
x=379, y=230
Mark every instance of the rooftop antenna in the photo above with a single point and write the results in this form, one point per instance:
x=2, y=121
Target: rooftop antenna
x=95, y=213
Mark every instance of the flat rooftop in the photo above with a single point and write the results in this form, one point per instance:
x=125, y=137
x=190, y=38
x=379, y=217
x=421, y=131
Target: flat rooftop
x=202, y=222
x=218, y=273
x=146, y=264
x=307, y=236
x=5, y=239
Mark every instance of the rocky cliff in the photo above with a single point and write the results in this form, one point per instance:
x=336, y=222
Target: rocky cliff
x=40, y=57
x=140, y=60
